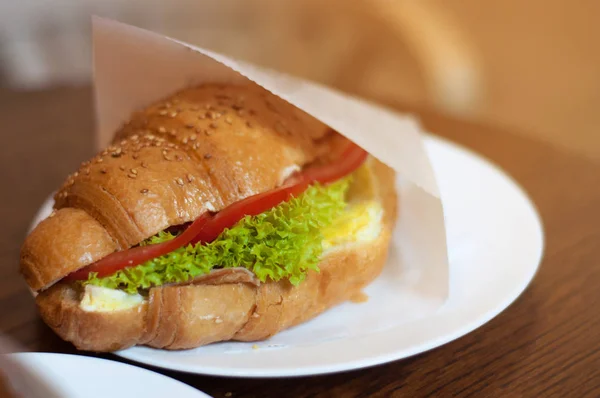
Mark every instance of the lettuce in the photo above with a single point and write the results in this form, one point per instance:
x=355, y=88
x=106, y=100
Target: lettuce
x=284, y=242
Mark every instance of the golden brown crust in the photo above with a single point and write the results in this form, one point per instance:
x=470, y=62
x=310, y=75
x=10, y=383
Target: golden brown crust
x=202, y=149
x=67, y=240
x=179, y=317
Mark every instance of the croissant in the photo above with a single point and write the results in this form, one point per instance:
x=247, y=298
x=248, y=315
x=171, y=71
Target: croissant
x=197, y=153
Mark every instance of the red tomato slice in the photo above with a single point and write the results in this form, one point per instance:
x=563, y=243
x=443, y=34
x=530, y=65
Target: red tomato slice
x=209, y=226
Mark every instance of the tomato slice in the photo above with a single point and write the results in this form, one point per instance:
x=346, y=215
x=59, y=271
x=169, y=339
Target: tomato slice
x=208, y=227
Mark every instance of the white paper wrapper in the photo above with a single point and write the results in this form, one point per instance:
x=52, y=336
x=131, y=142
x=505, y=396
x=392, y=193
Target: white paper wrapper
x=134, y=68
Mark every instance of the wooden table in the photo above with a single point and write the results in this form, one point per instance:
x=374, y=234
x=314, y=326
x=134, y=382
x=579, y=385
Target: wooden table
x=546, y=344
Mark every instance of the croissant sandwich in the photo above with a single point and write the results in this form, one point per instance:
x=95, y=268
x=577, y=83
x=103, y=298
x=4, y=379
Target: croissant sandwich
x=220, y=213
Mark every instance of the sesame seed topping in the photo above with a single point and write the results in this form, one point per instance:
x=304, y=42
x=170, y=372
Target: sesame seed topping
x=193, y=137
x=208, y=106
x=178, y=157
x=185, y=140
x=135, y=137
x=87, y=172
x=207, y=156
x=173, y=114
x=131, y=175
x=179, y=181
x=202, y=116
x=168, y=104
x=99, y=160
x=135, y=156
x=228, y=120
x=133, y=171
x=194, y=108
x=189, y=126
x=190, y=177
x=162, y=130
x=196, y=145
x=171, y=145
x=103, y=171
x=145, y=190
x=122, y=167
x=163, y=112
x=236, y=107
x=124, y=142
x=144, y=165
x=213, y=125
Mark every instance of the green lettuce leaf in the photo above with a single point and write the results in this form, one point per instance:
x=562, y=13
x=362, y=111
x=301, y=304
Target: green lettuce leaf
x=284, y=242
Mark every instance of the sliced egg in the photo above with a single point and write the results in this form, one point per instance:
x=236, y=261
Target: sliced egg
x=102, y=299
x=361, y=222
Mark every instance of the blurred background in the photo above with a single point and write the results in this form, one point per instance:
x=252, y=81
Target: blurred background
x=528, y=65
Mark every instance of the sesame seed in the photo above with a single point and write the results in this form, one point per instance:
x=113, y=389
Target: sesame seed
x=133, y=171
x=228, y=120
x=207, y=156
x=163, y=112
x=162, y=130
x=130, y=175
x=190, y=177
x=168, y=104
x=99, y=160
x=236, y=107
x=179, y=181
x=124, y=142
x=194, y=108
x=122, y=167
x=241, y=112
x=144, y=165
x=219, y=320
x=151, y=137
x=171, y=145
x=193, y=137
x=208, y=106
x=145, y=190
x=87, y=172
x=173, y=114
x=178, y=158
x=213, y=125
x=103, y=171
x=179, y=109
x=189, y=126
x=135, y=156
x=196, y=145
x=185, y=140
x=202, y=116
x=135, y=137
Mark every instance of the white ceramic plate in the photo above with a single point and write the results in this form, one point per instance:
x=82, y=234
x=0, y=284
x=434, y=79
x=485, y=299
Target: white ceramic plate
x=68, y=376
x=495, y=242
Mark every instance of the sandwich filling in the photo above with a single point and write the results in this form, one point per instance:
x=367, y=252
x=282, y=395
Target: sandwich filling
x=283, y=242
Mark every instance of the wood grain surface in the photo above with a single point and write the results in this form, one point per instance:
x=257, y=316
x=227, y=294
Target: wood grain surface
x=546, y=344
